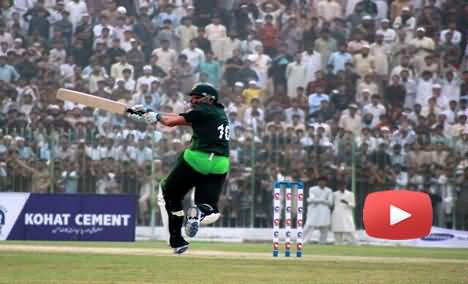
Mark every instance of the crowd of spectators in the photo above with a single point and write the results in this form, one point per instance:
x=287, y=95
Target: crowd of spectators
x=370, y=94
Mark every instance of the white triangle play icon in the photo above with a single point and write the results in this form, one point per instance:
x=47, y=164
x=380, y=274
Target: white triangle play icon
x=397, y=215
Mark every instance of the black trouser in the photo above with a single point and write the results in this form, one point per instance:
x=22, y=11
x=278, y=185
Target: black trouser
x=179, y=182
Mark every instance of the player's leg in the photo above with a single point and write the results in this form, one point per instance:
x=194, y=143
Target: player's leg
x=181, y=179
x=339, y=238
x=207, y=192
x=323, y=234
x=164, y=215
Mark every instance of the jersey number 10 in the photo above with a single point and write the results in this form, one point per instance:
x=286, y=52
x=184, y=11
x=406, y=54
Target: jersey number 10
x=224, y=132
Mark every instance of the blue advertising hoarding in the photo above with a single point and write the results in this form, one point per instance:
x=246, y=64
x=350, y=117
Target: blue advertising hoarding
x=67, y=217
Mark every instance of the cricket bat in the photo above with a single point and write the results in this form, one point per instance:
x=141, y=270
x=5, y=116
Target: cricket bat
x=94, y=101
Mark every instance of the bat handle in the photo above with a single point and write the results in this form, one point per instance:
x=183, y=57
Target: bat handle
x=139, y=112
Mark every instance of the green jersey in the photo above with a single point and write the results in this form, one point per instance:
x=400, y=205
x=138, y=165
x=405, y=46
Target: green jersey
x=210, y=129
x=209, y=153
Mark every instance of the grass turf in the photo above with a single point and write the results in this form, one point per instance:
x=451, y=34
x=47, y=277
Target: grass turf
x=365, y=250
x=74, y=268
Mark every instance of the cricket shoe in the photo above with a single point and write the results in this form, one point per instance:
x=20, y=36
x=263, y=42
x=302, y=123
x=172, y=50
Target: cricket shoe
x=208, y=214
x=210, y=219
x=193, y=221
x=180, y=245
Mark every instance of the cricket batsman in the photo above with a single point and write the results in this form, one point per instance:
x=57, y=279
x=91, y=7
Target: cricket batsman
x=203, y=166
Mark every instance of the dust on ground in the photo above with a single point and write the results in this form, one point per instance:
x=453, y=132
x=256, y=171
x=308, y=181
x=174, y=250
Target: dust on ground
x=196, y=253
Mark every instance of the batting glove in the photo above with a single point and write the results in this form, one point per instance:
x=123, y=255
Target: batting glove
x=136, y=112
x=152, y=117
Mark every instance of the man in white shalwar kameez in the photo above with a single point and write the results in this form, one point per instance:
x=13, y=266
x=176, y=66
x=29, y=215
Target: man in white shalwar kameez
x=451, y=87
x=216, y=34
x=313, y=62
x=296, y=75
x=329, y=10
x=319, y=202
x=342, y=220
x=261, y=64
x=381, y=53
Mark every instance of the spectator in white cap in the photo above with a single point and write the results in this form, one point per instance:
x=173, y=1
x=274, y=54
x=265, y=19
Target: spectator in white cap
x=146, y=78
x=122, y=10
x=18, y=46
x=406, y=21
x=239, y=85
x=367, y=27
x=389, y=34
x=423, y=44
x=351, y=120
x=441, y=101
x=364, y=62
x=258, y=25
x=25, y=152
x=252, y=91
x=363, y=96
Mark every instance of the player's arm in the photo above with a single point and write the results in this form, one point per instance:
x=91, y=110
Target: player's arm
x=172, y=119
x=138, y=112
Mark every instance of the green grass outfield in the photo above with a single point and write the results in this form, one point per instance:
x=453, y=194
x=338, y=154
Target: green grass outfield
x=225, y=263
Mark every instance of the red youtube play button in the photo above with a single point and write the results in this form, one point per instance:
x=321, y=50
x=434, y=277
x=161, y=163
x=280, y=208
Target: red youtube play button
x=398, y=215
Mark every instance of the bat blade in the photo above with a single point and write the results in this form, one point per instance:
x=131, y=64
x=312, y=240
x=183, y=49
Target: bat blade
x=91, y=101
